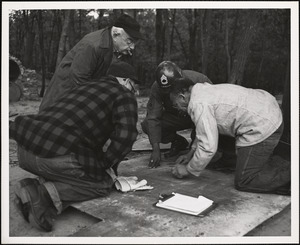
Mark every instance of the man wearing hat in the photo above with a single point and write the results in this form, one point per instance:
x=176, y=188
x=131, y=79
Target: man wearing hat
x=163, y=120
x=91, y=57
x=65, y=145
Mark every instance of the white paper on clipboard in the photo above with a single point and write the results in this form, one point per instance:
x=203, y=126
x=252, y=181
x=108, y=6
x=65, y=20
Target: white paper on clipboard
x=186, y=204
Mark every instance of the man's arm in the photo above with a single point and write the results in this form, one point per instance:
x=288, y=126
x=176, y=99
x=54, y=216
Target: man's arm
x=154, y=114
x=124, y=119
x=206, y=142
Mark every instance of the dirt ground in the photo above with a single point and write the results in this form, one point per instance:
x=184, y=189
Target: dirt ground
x=73, y=220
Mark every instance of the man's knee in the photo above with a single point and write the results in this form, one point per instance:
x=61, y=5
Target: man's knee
x=248, y=183
x=27, y=160
x=241, y=183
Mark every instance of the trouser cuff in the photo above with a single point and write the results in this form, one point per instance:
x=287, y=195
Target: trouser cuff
x=50, y=187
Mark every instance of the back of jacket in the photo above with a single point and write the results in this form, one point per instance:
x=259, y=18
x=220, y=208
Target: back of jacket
x=248, y=115
x=81, y=123
x=159, y=101
x=89, y=59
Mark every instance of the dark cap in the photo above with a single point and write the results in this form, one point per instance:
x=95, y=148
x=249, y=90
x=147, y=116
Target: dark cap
x=166, y=73
x=124, y=70
x=130, y=26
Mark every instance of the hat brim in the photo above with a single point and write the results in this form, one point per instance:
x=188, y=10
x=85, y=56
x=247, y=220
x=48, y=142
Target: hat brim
x=134, y=34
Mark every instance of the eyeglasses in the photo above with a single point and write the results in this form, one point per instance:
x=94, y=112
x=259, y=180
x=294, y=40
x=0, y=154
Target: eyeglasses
x=130, y=41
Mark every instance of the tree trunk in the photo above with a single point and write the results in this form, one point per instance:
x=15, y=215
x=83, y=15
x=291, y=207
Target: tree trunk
x=79, y=21
x=191, y=16
x=71, y=31
x=239, y=61
x=182, y=44
x=227, y=50
x=42, y=55
x=159, y=35
x=167, y=34
x=49, y=51
x=29, y=37
x=100, y=15
x=173, y=28
x=63, y=38
x=205, y=34
x=19, y=36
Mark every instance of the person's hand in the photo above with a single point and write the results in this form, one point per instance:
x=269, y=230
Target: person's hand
x=154, y=159
x=180, y=171
x=183, y=160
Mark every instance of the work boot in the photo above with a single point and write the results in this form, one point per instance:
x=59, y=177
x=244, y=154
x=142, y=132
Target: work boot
x=179, y=144
x=35, y=204
x=18, y=202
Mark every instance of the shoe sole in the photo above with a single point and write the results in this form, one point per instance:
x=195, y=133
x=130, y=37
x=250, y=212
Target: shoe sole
x=24, y=197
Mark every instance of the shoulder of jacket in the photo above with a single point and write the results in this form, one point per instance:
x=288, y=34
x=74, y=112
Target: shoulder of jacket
x=100, y=38
x=191, y=72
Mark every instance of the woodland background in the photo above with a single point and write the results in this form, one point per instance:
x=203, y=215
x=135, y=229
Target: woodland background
x=249, y=47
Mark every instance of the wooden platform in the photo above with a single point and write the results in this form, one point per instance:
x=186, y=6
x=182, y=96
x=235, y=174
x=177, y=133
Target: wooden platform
x=133, y=214
x=143, y=144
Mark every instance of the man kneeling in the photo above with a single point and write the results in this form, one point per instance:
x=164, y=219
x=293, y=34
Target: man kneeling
x=63, y=145
x=252, y=116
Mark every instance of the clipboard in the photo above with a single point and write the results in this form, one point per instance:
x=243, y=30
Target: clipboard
x=200, y=206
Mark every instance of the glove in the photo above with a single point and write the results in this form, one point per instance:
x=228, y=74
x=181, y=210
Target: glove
x=126, y=184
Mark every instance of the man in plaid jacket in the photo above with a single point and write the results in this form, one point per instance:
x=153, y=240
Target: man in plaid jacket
x=63, y=145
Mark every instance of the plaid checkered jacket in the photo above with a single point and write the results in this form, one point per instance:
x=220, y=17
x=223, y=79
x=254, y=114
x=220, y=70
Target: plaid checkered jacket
x=81, y=123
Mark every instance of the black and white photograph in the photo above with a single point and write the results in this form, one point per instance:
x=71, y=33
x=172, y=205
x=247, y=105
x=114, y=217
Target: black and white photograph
x=160, y=122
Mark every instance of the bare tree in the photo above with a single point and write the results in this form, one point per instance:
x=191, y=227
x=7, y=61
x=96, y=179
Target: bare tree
x=205, y=37
x=191, y=15
x=42, y=53
x=227, y=48
x=167, y=34
x=159, y=35
x=29, y=18
x=63, y=38
x=173, y=28
x=71, y=32
x=239, y=61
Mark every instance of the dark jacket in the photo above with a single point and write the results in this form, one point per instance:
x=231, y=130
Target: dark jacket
x=89, y=59
x=160, y=101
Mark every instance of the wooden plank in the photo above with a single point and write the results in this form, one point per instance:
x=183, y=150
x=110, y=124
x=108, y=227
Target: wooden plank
x=143, y=144
x=133, y=213
x=278, y=224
